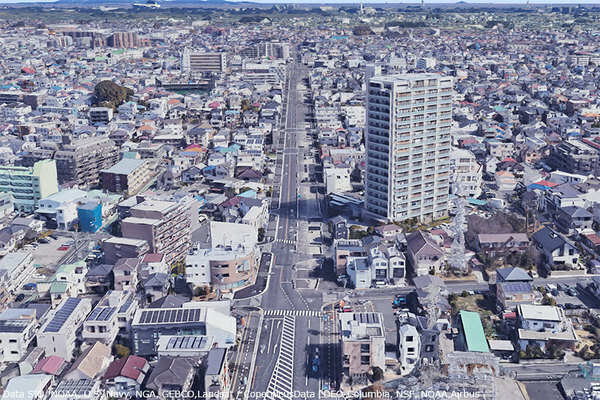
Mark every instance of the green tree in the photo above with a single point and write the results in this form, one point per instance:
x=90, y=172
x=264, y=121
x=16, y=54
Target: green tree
x=178, y=268
x=548, y=301
x=121, y=351
x=583, y=352
x=110, y=94
x=377, y=374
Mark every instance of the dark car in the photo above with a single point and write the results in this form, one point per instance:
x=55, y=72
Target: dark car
x=563, y=286
x=20, y=297
x=572, y=292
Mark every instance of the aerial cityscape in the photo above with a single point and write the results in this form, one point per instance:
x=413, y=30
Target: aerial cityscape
x=222, y=200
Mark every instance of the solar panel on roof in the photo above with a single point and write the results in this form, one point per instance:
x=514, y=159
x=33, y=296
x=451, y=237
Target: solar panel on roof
x=62, y=315
x=125, y=306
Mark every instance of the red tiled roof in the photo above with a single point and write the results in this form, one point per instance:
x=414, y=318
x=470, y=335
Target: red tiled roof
x=593, y=238
x=129, y=367
x=48, y=365
x=153, y=257
x=546, y=183
x=194, y=147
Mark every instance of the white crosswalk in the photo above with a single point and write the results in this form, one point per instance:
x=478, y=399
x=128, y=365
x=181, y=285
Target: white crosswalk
x=282, y=380
x=295, y=313
x=286, y=241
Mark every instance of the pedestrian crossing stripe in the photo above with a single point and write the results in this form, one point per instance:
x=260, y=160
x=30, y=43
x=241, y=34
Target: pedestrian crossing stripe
x=287, y=241
x=282, y=382
x=295, y=313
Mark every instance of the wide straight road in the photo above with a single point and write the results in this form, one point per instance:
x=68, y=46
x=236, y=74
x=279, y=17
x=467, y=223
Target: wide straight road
x=290, y=332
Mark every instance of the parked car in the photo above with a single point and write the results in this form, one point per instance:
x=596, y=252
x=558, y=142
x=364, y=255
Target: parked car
x=64, y=247
x=563, y=286
x=399, y=301
x=572, y=292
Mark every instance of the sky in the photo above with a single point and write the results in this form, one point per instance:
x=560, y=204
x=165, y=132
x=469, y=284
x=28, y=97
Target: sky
x=539, y=2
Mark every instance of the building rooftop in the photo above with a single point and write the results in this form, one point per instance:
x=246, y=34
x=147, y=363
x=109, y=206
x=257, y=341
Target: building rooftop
x=473, y=331
x=61, y=316
x=540, y=312
x=125, y=167
x=169, y=316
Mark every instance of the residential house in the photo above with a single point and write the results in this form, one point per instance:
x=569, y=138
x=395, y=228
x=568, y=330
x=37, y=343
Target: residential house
x=124, y=377
x=125, y=273
x=572, y=219
x=110, y=318
x=58, y=335
x=363, y=343
x=91, y=363
x=409, y=348
x=424, y=255
x=501, y=244
x=172, y=375
x=17, y=331
x=156, y=286
x=542, y=325
x=555, y=248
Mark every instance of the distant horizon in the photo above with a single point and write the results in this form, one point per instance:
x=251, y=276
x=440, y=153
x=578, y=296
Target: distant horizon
x=337, y=2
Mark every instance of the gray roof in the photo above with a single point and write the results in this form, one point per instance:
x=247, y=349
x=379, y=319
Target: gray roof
x=549, y=239
x=576, y=211
x=214, y=362
x=170, y=371
x=169, y=301
x=566, y=190
x=424, y=281
x=422, y=244
x=512, y=274
x=125, y=166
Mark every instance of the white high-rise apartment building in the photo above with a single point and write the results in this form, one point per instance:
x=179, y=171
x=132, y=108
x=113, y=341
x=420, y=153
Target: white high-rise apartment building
x=409, y=118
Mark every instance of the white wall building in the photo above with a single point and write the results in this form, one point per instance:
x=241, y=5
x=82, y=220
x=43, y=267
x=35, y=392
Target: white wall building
x=17, y=330
x=409, y=118
x=337, y=180
x=110, y=317
x=465, y=169
x=409, y=348
x=58, y=335
x=17, y=269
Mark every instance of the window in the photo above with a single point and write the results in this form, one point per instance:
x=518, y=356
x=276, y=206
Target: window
x=409, y=338
x=365, y=348
x=365, y=360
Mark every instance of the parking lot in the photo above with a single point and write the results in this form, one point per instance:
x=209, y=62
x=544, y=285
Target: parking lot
x=46, y=255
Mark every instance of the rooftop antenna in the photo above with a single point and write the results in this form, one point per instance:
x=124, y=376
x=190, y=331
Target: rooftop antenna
x=362, y=9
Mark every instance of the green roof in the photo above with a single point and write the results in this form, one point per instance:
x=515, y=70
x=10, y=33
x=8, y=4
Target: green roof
x=58, y=287
x=473, y=331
